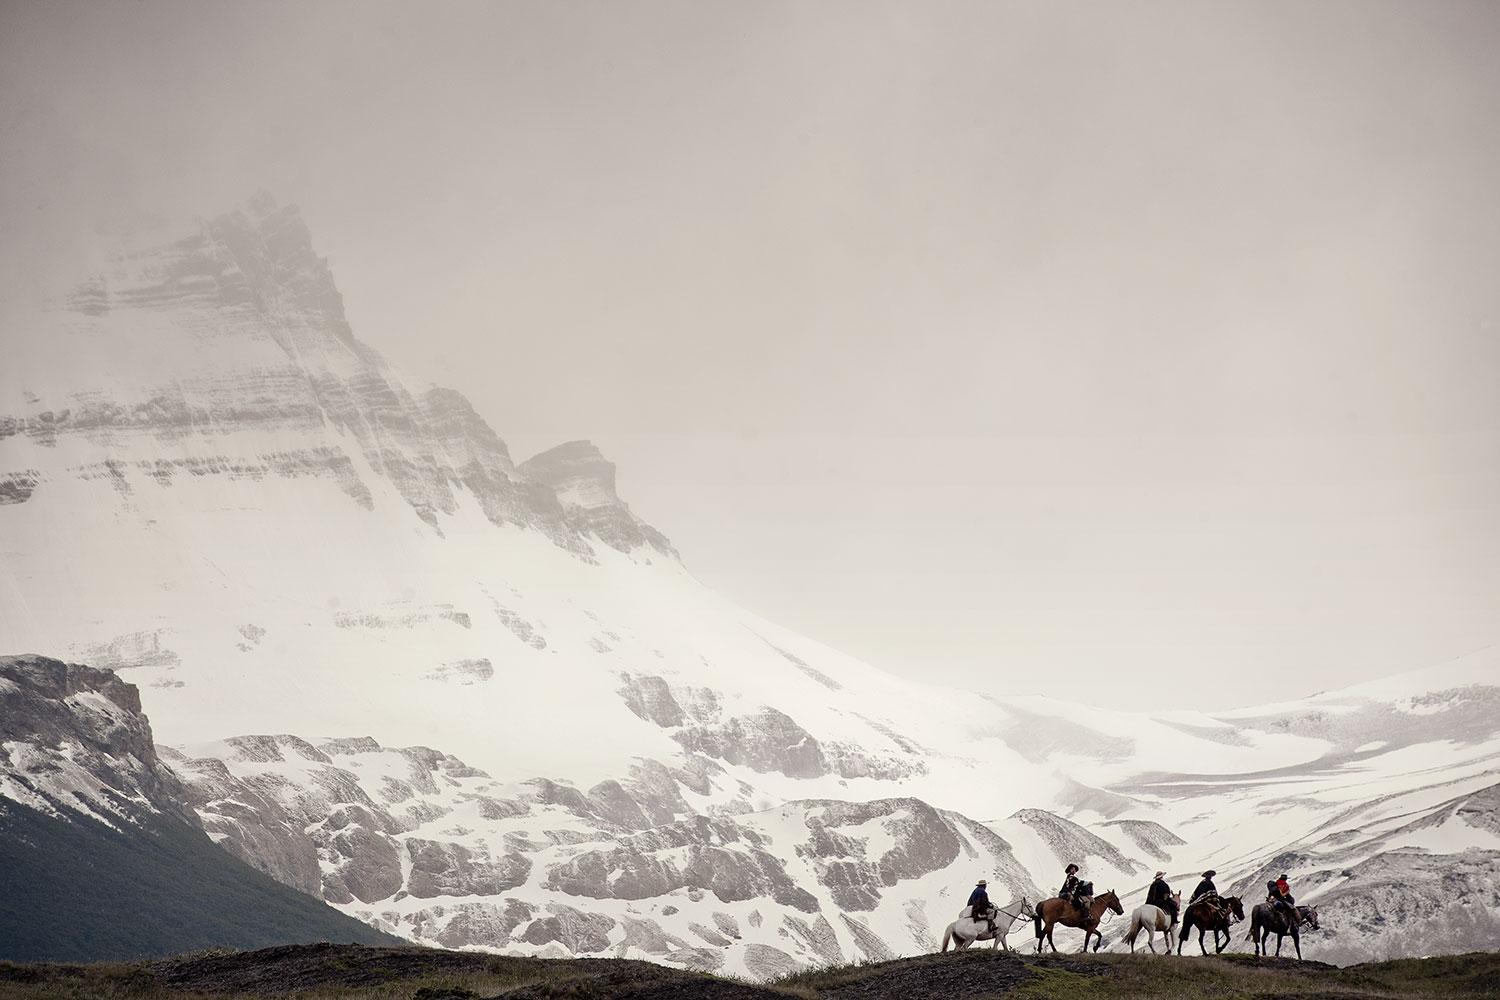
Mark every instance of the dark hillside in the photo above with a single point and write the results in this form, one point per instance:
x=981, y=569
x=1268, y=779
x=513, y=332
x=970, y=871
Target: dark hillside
x=77, y=890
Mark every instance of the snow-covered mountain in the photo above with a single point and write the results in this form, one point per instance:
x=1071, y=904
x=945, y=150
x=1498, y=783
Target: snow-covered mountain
x=208, y=485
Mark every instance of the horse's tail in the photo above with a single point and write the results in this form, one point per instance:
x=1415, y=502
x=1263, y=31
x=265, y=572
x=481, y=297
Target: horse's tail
x=1135, y=928
x=947, y=937
x=1186, y=925
x=1037, y=919
x=1254, y=926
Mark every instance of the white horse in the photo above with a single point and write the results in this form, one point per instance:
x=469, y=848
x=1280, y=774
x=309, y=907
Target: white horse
x=966, y=930
x=1152, y=919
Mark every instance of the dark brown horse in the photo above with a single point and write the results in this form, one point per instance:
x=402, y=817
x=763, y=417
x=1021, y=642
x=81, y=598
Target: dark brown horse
x=1207, y=915
x=1062, y=911
x=1267, y=919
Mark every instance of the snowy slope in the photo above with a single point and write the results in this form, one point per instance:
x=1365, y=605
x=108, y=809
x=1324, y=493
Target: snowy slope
x=209, y=485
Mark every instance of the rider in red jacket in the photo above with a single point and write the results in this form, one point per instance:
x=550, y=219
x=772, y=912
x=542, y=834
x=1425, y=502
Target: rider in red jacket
x=1281, y=897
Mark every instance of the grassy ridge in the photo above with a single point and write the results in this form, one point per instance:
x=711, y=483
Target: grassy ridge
x=349, y=972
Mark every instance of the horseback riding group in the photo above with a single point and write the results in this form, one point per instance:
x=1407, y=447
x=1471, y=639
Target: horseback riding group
x=1076, y=905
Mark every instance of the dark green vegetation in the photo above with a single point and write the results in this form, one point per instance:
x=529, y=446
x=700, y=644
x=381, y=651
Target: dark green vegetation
x=340, y=972
x=81, y=891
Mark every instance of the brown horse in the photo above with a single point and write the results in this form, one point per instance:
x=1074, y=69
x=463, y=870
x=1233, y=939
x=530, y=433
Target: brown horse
x=1207, y=915
x=1062, y=911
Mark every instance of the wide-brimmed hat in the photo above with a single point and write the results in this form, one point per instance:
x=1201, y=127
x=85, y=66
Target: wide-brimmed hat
x=1285, y=875
x=1160, y=875
x=1071, y=868
x=981, y=882
x=1210, y=873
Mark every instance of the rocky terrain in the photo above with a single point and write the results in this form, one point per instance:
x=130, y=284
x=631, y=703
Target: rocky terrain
x=477, y=702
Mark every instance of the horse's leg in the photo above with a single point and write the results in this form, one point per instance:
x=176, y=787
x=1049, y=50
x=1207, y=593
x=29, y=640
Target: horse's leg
x=1279, y=936
x=1049, y=938
x=1297, y=940
x=1201, y=932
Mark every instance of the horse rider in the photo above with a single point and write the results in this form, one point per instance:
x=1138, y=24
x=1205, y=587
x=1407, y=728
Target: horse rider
x=1071, y=884
x=1206, y=889
x=979, y=904
x=1160, y=895
x=1279, y=895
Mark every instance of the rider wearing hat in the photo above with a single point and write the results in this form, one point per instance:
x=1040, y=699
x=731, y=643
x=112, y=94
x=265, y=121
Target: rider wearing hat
x=1070, y=886
x=1206, y=889
x=1160, y=895
x=979, y=902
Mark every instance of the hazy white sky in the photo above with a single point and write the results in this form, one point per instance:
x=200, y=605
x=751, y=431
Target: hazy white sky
x=1143, y=353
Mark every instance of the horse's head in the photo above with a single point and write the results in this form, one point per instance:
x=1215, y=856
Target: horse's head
x=1027, y=913
x=1236, y=907
x=1177, y=896
x=1310, y=914
x=1113, y=902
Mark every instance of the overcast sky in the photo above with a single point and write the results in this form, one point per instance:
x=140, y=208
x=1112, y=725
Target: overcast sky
x=1141, y=353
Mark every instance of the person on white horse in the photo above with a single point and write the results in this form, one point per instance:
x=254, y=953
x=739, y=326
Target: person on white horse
x=1157, y=915
x=1160, y=895
x=980, y=910
x=981, y=920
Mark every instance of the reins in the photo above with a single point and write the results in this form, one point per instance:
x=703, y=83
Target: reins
x=1013, y=916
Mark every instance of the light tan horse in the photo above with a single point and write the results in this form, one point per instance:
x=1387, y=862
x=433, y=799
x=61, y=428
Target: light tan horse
x=966, y=930
x=1152, y=919
x=1050, y=912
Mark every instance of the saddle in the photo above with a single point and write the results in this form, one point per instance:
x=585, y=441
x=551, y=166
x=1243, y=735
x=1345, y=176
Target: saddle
x=982, y=917
x=1286, y=909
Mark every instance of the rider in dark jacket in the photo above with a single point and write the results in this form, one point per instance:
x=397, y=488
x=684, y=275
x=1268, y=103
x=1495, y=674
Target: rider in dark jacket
x=979, y=899
x=1160, y=895
x=1206, y=889
x=1069, y=890
x=979, y=903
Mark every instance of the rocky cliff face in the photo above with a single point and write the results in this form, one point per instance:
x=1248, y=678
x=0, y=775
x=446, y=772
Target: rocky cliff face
x=73, y=740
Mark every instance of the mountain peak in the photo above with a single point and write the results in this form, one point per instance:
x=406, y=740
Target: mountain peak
x=224, y=355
